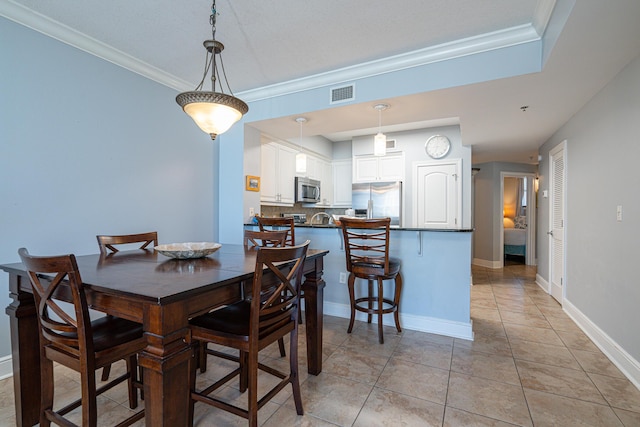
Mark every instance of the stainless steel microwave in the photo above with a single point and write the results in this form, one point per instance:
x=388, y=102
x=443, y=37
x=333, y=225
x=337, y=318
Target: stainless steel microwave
x=307, y=190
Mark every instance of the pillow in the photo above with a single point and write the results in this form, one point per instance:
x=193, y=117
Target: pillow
x=521, y=222
x=508, y=223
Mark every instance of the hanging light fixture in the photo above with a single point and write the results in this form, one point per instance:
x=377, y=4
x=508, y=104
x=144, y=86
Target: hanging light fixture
x=380, y=140
x=301, y=158
x=214, y=112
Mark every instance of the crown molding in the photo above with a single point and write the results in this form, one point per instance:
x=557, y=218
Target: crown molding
x=58, y=31
x=469, y=46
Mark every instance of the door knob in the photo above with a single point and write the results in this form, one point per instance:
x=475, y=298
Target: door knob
x=550, y=233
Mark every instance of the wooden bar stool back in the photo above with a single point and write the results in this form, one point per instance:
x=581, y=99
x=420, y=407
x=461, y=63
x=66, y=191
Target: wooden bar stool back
x=70, y=338
x=271, y=313
x=107, y=243
x=254, y=239
x=275, y=224
x=366, y=243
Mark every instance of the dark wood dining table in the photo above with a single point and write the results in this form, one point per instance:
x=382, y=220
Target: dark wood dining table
x=161, y=293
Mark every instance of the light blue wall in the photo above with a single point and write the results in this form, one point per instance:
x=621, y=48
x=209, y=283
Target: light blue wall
x=602, y=156
x=86, y=148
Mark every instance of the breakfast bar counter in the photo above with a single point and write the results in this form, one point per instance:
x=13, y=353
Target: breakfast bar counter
x=436, y=271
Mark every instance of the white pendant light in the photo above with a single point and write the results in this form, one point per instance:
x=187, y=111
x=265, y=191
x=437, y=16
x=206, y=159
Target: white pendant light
x=213, y=112
x=380, y=140
x=301, y=158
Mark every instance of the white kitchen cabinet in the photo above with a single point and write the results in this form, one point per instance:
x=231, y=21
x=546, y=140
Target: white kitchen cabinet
x=326, y=183
x=374, y=168
x=342, y=178
x=278, y=173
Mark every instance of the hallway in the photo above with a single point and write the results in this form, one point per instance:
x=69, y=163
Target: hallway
x=528, y=365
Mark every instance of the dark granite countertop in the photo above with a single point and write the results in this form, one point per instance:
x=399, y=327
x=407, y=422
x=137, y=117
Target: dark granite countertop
x=333, y=226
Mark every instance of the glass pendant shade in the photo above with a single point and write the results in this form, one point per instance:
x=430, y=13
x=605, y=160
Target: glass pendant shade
x=213, y=112
x=380, y=145
x=301, y=163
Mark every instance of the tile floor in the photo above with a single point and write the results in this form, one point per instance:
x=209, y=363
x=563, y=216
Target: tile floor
x=528, y=365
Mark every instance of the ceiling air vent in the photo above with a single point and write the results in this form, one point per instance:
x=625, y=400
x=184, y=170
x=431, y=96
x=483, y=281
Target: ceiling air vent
x=342, y=94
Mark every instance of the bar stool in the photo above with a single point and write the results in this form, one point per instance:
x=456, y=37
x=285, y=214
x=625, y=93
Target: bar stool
x=366, y=243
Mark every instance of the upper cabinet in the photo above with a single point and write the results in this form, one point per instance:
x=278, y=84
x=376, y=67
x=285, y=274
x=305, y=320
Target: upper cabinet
x=342, y=183
x=278, y=173
x=374, y=168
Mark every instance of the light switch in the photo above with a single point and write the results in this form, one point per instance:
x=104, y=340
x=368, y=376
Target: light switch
x=545, y=193
x=619, y=213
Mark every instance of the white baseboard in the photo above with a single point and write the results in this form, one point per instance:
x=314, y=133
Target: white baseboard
x=543, y=283
x=409, y=321
x=618, y=356
x=487, y=263
x=6, y=367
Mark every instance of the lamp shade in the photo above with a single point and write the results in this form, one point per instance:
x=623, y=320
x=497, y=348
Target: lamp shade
x=213, y=112
x=380, y=144
x=301, y=163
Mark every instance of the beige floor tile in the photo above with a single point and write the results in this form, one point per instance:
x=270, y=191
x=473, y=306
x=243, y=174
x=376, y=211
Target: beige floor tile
x=526, y=319
x=553, y=410
x=556, y=380
x=577, y=340
x=333, y=399
x=367, y=342
x=424, y=353
x=486, y=344
x=597, y=363
x=628, y=418
x=489, y=314
x=492, y=399
x=357, y=366
x=287, y=417
x=412, y=379
x=619, y=392
x=456, y=418
x=488, y=327
x=388, y=408
x=528, y=333
x=493, y=367
x=543, y=353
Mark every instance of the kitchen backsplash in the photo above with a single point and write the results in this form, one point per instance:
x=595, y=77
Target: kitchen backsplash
x=275, y=211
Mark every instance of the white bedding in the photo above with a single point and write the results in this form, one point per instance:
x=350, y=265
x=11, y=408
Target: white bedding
x=515, y=236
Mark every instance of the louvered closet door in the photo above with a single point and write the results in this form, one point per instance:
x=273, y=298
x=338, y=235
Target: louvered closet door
x=557, y=217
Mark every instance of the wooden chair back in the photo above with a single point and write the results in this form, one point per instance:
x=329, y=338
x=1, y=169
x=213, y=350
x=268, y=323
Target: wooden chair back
x=274, y=306
x=67, y=332
x=106, y=243
x=270, y=224
x=366, y=243
x=254, y=239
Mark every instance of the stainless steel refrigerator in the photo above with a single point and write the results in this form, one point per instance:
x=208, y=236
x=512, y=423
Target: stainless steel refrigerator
x=378, y=200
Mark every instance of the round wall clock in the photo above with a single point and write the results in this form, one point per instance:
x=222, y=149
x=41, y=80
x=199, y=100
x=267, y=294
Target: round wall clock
x=437, y=146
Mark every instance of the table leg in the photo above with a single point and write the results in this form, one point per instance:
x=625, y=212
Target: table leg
x=166, y=367
x=25, y=353
x=313, y=287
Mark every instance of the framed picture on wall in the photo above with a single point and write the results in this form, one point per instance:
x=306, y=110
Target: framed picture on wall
x=252, y=183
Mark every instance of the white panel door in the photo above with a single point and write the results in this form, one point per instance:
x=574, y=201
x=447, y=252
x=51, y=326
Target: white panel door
x=557, y=216
x=438, y=195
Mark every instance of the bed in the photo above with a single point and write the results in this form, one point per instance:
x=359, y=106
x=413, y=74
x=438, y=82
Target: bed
x=515, y=240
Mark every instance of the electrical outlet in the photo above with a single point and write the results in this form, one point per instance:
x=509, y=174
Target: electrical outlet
x=252, y=212
x=343, y=277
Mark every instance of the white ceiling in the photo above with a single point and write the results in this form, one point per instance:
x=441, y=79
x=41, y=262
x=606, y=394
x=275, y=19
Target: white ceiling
x=271, y=42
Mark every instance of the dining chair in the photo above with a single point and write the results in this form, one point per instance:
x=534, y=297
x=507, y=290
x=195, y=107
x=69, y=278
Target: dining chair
x=271, y=224
x=271, y=313
x=252, y=240
x=70, y=338
x=107, y=243
x=366, y=244
x=267, y=224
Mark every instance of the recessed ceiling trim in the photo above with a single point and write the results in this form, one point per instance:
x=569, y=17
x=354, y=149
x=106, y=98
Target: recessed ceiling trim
x=542, y=15
x=469, y=46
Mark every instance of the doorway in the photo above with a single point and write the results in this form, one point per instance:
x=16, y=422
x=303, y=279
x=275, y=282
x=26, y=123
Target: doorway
x=518, y=225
